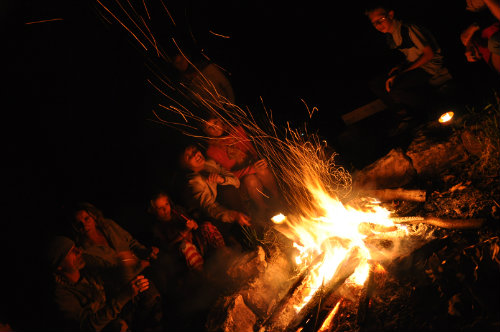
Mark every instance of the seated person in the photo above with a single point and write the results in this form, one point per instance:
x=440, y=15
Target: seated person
x=173, y=229
x=212, y=192
x=234, y=151
x=112, y=252
x=205, y=178
x=80, y=298
x=482, y=38
x=409, y=87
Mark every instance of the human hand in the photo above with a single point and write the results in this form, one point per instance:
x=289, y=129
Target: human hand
x=154, y=252
x=215, y=178
x=191, y=224
x=260, y=164
x=242, y=219
x=138, y=285
x=389, y=83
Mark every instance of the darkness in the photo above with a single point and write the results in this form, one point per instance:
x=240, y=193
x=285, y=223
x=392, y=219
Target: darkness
x=76, y=102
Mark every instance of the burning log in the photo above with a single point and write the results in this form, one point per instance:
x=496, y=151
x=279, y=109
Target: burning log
x=279, y=307
x=396, y=194
x=343, y=272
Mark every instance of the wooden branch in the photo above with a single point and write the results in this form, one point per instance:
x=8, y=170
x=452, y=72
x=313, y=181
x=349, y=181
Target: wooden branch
x=442, y=222
x=398, y=194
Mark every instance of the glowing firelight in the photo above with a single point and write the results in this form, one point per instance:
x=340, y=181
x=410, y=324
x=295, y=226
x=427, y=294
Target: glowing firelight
x=278, y=219
x=334, y=233
x=328, y=321
x=446, y=117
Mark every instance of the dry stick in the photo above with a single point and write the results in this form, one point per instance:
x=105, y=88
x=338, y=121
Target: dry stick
x=398, y=194
x=343, y=272
x=278, y=308
x=441, y=222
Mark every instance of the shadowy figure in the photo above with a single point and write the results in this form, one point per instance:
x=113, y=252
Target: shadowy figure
x=205, y=80
x=409, y=88
x=482, y=38
x=114, y=254
x=233, y=150
x=80, y=298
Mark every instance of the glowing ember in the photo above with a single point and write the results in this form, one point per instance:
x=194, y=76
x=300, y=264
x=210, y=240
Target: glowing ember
x=446, y=117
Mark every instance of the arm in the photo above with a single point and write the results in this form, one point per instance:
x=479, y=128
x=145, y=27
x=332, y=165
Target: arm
x=132, y=244
x=494, y=7
x=204, y=197
x=92, y=317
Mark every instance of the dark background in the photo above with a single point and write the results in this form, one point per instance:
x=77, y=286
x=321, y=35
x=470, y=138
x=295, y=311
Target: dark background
x=76, y=103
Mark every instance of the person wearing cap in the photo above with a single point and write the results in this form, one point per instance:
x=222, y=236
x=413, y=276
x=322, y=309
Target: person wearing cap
x=80, y=298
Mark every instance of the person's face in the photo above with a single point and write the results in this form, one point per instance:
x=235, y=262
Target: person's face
x=194, y=159
x=73, y=261
x=382, y=21
x=85, y=220
x=213, y=128
x=162, y=208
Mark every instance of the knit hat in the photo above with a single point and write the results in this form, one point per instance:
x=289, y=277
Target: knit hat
x=58, y=248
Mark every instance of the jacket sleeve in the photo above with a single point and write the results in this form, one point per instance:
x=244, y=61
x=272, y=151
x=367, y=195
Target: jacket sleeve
x=229, y=177
x=89, y=317
x=135, y=246
x=205, y=197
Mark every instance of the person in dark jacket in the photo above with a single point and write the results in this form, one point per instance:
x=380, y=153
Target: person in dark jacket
x=80, y=298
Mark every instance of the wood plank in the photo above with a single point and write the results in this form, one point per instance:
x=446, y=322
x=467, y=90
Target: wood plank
x=363, y=112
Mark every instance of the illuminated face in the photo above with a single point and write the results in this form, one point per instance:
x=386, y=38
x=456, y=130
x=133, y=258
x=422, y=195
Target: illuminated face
x=73, y=261
x=193, y=159
x=213, y=128
x=382, y=20
x=162, y=208
x=85, y=220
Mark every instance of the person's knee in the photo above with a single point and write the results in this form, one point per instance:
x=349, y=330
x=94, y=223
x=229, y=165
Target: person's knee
x=251, y=182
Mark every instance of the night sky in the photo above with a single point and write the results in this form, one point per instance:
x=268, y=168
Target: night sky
x=76, y=99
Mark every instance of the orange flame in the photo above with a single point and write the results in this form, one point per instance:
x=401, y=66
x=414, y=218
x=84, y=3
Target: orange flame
x=334, y=232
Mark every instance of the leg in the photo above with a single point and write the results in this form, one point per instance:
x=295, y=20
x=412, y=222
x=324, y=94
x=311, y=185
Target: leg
x=252, y=184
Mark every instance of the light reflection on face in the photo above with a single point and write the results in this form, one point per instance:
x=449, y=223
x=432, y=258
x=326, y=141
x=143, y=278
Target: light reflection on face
x=85, y=220
x=162, y=208
x=214, y=128
x=193, y=158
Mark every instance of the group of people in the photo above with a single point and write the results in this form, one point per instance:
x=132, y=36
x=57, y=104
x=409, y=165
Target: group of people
x=104, y=279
